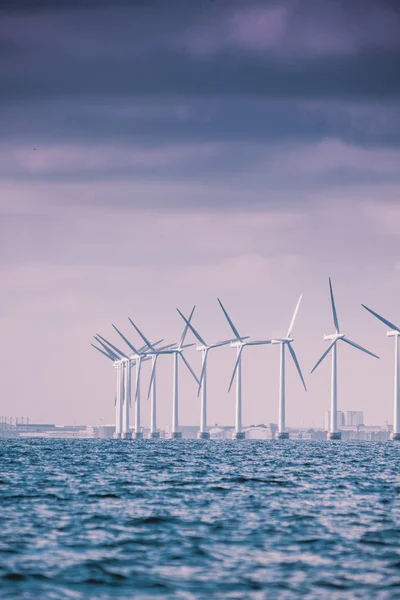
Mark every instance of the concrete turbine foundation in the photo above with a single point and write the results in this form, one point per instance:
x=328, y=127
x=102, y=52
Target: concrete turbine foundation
x=203, y=435
x=176, y=435
x=282, y=435
x=126, y=435
x=154, y=435
x=137, y=435
x=395, y=437
x=334, y=435
x=239, y=435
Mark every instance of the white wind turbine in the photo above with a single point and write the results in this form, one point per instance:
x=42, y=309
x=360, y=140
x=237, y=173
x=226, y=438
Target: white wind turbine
x=119, y=395
x=395, y=333
x=152, y=353
x=240, y=343
x=204, y=348
x=333, y=433
x=282, y=434
x=139, y=355
x=122, y=428
x=177, y=352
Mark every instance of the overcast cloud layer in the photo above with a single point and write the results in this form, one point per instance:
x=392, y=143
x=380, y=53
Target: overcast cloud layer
x=158, y=154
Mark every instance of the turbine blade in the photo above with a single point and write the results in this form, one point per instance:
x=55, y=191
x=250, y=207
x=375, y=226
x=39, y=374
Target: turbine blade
x=235, y=331
x=239, y=356
x=385, y=321
x=203, y=370
x=153, y=372
x=192, y=329
x=296, y=362
x=351, y=343
x=167, y=347
x=258, y=342
x=329, y=348
x=334, y=313
x=146, y=347
x=189, y=367
x=112, y=346
x=107, y=349
x=225, y=342
x=155, y=344
x=146, y=341
x=127, y=342
x=182, y=340
x=102, y=351
x=294, y=316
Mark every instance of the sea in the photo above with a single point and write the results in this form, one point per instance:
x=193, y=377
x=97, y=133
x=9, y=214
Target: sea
x=188, y=519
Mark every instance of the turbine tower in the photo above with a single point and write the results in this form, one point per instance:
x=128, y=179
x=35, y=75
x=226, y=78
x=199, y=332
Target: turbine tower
x=177, y=352
x=282, y=434
x=333, y=433
x=239, y=343
x=395, y=333
x=204, y=348
x=118, y=364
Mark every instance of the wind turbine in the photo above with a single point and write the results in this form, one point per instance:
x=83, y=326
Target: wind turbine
x=204, y=348
x=282, y=434
x=395, y=333
x=138, y=356
x=118, y=403
x=333, y=433
x=123, y=364
x=177, y=352
x=239, y=343
x=153, y=354
x=124, y=387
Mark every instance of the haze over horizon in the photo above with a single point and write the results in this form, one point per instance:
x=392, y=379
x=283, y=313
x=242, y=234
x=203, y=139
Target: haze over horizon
x=157, y=155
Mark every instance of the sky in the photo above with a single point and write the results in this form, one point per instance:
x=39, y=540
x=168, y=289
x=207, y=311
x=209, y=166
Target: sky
x=156, y=155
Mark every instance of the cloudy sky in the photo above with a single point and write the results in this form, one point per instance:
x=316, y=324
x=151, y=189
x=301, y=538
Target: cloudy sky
x=157, y=154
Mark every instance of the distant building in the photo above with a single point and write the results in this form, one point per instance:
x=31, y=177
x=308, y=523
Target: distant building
x=354, y=417
x=348, y=418
x=259, y=433
x=106, y=431
x=50, y=430
x=218, y=433
x=340, y=419
x=369, y=433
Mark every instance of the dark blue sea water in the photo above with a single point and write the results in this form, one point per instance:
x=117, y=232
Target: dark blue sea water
x=189, y=519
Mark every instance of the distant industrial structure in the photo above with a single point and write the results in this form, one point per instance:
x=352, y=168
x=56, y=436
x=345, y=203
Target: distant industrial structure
x=352, y=428
x=348, y=418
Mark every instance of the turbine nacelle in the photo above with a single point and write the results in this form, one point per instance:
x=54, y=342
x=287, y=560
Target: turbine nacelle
x=237, y=344
x=287, y=340
x=334, y=336
x=393, y=333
